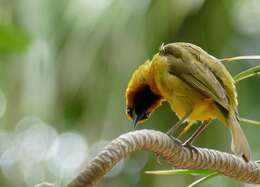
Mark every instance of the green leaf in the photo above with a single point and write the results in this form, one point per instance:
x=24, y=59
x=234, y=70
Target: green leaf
x=203, y=179
x=247, y=73
x=246, y=57
x=180, y=171
x=12, y=39
x=249, y=121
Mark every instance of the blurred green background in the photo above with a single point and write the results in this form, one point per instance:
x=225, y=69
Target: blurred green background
x=64, y=68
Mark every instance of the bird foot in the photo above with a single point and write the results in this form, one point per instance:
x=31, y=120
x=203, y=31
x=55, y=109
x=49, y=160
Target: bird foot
x=189, y=146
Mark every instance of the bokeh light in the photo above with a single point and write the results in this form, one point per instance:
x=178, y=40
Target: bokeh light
x=67, y=155
x=246, y=16
x=27, y=149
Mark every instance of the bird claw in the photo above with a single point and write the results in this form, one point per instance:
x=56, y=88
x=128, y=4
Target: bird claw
x=189, y=146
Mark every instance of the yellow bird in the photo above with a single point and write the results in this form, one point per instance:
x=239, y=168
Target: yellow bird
x=197, y=86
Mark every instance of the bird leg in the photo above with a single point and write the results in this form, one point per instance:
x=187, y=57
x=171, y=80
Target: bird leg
x=186, y=128
x=171, y=131
x=196, y=134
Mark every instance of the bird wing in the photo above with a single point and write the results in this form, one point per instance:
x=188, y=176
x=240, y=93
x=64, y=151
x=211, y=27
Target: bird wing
x=200, y=76
x=214, y=64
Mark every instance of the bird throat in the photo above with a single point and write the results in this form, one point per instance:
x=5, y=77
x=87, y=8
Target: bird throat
x=144, y=98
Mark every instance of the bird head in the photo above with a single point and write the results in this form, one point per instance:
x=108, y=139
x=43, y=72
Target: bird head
x=142, y=96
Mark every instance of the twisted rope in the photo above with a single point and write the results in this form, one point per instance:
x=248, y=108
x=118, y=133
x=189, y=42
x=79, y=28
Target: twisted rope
x=172, y=151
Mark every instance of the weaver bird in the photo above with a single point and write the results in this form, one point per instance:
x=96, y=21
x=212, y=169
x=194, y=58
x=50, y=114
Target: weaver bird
x=197, y=86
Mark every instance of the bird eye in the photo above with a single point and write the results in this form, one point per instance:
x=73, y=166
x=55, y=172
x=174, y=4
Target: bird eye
x=129, y=111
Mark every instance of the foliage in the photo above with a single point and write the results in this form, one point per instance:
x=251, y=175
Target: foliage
x=12, y=39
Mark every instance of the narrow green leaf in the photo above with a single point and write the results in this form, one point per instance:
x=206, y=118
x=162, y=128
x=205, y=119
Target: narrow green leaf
x=247, y=57
x=203, y=179
x=247, y=73
x=180, y=171
x=249, y=121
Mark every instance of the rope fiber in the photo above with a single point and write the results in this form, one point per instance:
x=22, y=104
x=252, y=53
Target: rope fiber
x=173, y=152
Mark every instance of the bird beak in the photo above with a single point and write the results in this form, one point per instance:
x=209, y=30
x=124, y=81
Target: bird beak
x=137, y=118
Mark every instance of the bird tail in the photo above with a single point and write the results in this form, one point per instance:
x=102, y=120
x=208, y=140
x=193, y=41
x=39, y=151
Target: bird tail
x=239, y=143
